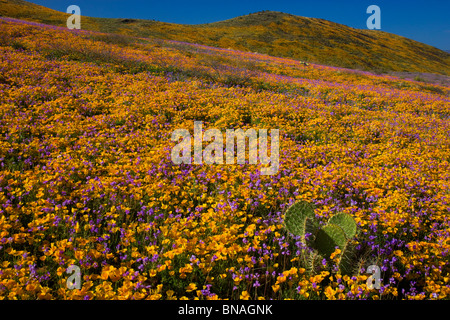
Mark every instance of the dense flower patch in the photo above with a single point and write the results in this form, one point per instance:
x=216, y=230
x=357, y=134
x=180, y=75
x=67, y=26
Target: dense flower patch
x=86, y=176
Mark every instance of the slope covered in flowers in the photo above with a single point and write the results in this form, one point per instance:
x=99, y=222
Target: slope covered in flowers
x=86, y=176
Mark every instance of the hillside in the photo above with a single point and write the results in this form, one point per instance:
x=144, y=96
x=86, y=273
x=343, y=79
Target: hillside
x=87, y=176
x=273, y=33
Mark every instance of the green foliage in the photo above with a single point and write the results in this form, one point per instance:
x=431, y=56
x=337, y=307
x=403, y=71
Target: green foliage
x=346, y=222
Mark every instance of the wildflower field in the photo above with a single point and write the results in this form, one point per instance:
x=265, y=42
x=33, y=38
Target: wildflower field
x=86, y=176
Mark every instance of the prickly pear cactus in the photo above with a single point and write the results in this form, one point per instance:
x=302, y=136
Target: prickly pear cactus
x=300, y=220
x=347, y=259
x=328, y=238
x=311, y=228
x=346, y=222
x=296, y=216
x=314, y=262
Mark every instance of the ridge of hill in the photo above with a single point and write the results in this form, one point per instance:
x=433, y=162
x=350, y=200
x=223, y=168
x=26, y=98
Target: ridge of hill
x=274, y=33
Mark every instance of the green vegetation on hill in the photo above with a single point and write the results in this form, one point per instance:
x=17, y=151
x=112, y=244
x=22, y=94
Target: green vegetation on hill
x=273, y=33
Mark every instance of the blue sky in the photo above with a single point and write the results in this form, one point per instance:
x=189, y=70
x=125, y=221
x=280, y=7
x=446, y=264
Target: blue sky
x=425, y=21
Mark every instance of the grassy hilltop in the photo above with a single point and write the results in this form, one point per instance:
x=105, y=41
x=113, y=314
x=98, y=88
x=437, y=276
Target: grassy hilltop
x=273, y=33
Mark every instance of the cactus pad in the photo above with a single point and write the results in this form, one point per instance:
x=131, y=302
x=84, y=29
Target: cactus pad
x=346, y=222
x=312, y=227
x=295, y=217
x=328, y=238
